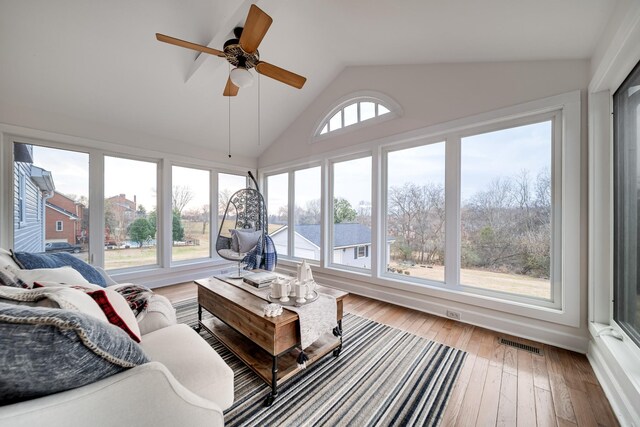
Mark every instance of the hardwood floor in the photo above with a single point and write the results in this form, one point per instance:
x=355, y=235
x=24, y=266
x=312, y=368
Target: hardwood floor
x=498, y=385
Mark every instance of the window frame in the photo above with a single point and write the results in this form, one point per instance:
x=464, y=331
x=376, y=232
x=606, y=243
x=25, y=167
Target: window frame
x=59, y=226
x=567, y=311
x=620, y=324
x=395, y=111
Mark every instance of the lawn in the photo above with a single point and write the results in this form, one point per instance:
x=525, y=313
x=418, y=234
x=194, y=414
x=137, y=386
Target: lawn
x=511, y=283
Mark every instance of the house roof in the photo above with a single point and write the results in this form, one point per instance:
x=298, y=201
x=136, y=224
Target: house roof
x=63, y=211
x=346, y=234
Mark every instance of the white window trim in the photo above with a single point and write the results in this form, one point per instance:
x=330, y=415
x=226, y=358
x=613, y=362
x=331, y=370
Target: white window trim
x=570, y=106
x=395, y=110
x=59, y=226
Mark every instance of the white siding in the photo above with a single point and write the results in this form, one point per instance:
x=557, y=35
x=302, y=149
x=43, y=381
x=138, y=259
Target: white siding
x=28, y=236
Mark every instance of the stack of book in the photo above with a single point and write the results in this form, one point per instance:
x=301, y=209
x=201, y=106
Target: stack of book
x=260, y=280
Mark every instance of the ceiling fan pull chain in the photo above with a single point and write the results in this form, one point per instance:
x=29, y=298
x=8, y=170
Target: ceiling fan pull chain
x=229, y=120
x=258, y=110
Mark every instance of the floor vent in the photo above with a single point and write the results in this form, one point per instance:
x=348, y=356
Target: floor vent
x=520, y=346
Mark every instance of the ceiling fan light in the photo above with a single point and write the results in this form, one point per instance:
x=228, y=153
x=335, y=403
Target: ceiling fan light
x=241, y=77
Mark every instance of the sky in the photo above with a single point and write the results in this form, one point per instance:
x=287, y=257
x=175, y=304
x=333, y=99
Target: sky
x=70, y=171
x=484, y=157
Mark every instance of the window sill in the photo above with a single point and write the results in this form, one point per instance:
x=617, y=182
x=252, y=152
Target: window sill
x=617, y=367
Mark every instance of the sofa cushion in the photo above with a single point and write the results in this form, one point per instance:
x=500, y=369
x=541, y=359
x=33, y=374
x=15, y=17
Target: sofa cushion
x=61, y=297
x=29, y=261
x=47, y=350
x=64, y=275
x=192, y=362
x=113, y=305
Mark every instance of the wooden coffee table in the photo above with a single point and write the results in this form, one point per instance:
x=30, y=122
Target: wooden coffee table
x=263, y=343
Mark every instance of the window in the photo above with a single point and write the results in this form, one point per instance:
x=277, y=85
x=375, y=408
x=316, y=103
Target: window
x=278, y=211
x=130, y=215
x=190, y=206
x=355, y=110
x=307, y=213
x=626, y=290
x=506, y=210
x=486, y=208
x=416, y=212
x=52, y=198
x=228, y=184
x=351, y=211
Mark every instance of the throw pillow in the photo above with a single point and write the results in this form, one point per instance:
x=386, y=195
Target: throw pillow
x=49, y=350
x=8, y=278
x=234, y=241
x=114, y=306
x=117, y=310
x=65, y=275
x=31, y=261
x=65, y=297
x=247, y=239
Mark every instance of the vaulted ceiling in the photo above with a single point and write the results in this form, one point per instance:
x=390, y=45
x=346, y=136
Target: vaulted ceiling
x=98, y=61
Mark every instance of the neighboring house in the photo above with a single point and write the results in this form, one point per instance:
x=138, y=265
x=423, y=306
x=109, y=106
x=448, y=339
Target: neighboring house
x=65, y=220
x=352, y=243
x=123, y=213
x=32, y=186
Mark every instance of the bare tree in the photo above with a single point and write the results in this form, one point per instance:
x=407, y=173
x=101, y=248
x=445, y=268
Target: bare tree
x=205, y=216
x=180, y=197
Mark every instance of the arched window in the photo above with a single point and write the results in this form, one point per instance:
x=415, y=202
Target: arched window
x=356, y=110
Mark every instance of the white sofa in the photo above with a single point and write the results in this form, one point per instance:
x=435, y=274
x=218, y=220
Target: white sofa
x=186, y=383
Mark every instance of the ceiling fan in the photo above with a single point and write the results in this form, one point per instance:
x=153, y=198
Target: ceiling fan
x=242, y=53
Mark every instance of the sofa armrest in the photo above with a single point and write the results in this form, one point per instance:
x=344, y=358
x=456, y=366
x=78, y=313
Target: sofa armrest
x=147, y=395
x=107, y=278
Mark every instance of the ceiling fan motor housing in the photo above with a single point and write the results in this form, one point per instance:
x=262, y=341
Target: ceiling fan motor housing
x=236, y=55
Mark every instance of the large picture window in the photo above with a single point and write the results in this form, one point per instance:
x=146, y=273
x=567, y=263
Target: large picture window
x=506, y=210
x=626, y=307
x=191, y=213
x=416, y=212
x=351, y=212
x=278, y=211
x=51, y=195
x=306, y=241
x=130, y=213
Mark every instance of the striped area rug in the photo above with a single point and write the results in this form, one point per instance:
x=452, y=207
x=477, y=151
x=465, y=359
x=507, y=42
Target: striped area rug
x=383, y=377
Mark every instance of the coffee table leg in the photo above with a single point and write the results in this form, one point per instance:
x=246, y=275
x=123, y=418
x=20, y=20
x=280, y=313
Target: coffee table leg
x=274, y=383
x=198, y=327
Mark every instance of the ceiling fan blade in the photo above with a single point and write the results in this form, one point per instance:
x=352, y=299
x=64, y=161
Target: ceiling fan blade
x=189, y=45
x=230, y=89
x=280, y=74
x=255, y=27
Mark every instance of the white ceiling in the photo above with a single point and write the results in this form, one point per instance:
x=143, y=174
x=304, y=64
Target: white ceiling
x=99, y=61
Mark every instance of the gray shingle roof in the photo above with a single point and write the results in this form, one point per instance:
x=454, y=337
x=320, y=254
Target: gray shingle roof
x=345, y=234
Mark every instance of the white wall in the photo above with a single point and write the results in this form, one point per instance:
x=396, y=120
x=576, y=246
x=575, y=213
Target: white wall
x=432, y=95
x=428, y=95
